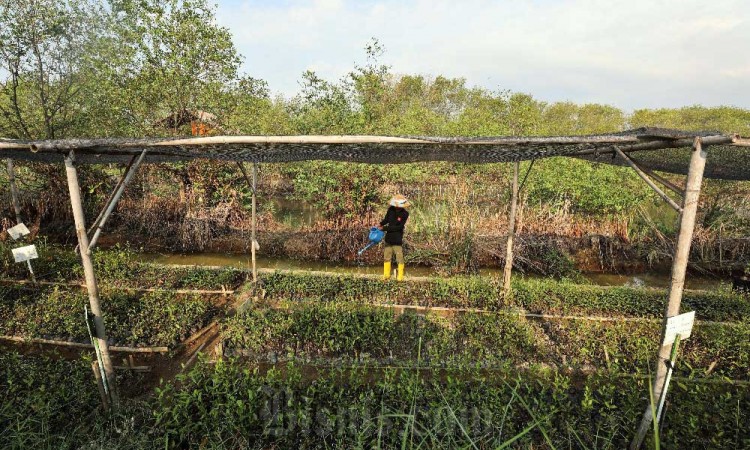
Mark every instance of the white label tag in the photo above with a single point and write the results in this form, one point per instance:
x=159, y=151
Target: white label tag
x=22, y=254
x=682, y=325
x=18, y=231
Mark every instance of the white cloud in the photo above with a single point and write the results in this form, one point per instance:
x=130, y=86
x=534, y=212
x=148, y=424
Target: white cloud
x=640, y=53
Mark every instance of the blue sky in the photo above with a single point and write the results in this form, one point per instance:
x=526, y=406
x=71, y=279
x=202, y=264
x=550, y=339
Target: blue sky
x=631, y=54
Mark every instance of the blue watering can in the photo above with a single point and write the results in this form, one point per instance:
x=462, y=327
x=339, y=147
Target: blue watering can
x=376, y=235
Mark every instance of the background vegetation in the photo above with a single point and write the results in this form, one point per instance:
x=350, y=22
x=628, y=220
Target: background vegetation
x=80, y=68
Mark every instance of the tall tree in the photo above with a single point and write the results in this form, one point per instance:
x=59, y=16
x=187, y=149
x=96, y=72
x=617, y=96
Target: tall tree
x=167, y=57
x=44, y=48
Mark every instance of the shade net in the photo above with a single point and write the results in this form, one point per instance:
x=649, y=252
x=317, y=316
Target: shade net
x=654, y=148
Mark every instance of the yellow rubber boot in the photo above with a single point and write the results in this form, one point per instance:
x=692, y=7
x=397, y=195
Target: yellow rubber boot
x=400, y=276
x=386, y=271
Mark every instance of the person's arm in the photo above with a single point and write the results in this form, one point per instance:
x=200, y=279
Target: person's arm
x=385, y=220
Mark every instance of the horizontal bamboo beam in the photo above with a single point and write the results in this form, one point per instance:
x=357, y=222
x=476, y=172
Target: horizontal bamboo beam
x=119, y=288
x=519, y=312
x=26, y=340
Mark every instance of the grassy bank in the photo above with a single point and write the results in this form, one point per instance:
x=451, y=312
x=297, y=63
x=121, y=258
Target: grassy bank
x=118, y=267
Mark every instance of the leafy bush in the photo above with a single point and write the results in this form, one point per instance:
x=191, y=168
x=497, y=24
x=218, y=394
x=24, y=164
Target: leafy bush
x=44, y=401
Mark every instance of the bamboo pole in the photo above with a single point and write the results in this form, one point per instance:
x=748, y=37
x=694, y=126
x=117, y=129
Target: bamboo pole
x=511, y=230
x=674, y=188
x=113, y=348
x=95, y=224
x=89, y=274
x=677, y=285
x=115, y=199
x=648, y=181
x=14, y=191
x=254, y=226
x=253, y=188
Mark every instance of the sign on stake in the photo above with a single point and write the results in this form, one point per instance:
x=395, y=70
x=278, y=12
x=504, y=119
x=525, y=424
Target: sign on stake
x=18, y=231
x=27, y=253
x=680, y=325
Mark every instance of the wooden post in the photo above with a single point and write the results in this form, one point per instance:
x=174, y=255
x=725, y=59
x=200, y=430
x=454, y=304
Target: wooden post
x=88, y=270
x=677, y=285
x=511, y=230
x=253, y=188
x=14, y=191
x=254, y=226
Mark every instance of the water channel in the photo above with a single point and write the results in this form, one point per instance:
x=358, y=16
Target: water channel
x=644, y=280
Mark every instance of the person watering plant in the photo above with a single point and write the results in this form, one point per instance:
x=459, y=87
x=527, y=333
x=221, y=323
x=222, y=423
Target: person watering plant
x=393, y=225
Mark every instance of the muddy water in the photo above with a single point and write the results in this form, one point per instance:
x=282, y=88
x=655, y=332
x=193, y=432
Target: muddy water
x=642, y=280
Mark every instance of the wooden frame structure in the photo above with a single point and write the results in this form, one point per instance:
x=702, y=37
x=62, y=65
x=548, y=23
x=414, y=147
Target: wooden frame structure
x=657, y=149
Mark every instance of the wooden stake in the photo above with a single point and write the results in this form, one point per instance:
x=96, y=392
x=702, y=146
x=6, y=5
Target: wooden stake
x=511, y=230
x=677, y=285
x=89, y=274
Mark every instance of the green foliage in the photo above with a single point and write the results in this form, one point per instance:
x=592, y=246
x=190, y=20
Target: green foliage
x=584, y=187
x=131, y=319
x=330, y=332
x=338, y=188
x=118, y=268
x=44, y=401
x=726, y=119
x=53, y=403
x=538, y=296
x=459, y=408
x=45, y=48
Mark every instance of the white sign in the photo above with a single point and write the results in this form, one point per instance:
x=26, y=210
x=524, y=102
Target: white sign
x=22, y=254
x=18, y=231
x=682, y=325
